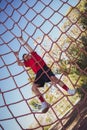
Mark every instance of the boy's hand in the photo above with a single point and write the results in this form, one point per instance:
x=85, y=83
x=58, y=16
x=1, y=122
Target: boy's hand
x=21, y=40
x=16, y=54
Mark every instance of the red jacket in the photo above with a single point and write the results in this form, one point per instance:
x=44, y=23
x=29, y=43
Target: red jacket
x=35, y=62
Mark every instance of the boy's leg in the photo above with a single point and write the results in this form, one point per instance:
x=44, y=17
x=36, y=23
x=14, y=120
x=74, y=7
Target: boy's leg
x=64, y=86
x=45, y=106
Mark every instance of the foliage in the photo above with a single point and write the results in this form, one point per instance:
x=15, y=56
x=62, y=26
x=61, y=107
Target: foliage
x=46, y=128
x=84, y=39
x=82, y=91
x=77, y=51
x=83, y=22
x=83, y=9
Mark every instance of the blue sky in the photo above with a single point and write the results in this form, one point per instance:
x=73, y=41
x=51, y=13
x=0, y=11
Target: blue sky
x=34, y=19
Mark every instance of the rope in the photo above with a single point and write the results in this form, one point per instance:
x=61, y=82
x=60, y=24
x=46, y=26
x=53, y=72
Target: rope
x=38, y=23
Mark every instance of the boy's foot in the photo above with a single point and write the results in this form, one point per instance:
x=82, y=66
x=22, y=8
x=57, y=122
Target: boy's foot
x=44, y=107
x=71, y=91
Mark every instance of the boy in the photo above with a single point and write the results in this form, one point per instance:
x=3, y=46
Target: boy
x=43, y=74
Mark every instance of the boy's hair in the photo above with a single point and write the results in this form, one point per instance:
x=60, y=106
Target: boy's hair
x=23, y=56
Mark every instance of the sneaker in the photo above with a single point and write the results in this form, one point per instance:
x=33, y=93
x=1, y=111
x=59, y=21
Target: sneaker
x=44, y=107
x=71, y=91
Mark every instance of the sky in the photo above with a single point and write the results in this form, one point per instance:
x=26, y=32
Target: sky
x=32, y=19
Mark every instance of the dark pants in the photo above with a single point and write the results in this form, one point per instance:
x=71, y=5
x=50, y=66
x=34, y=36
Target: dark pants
x=43, y=76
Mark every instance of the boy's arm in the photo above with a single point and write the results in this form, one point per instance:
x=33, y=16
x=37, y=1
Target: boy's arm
x=26, y=44
x=18, y=61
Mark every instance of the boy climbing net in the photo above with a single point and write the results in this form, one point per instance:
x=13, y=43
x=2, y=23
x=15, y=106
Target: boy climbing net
x=43, y=74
